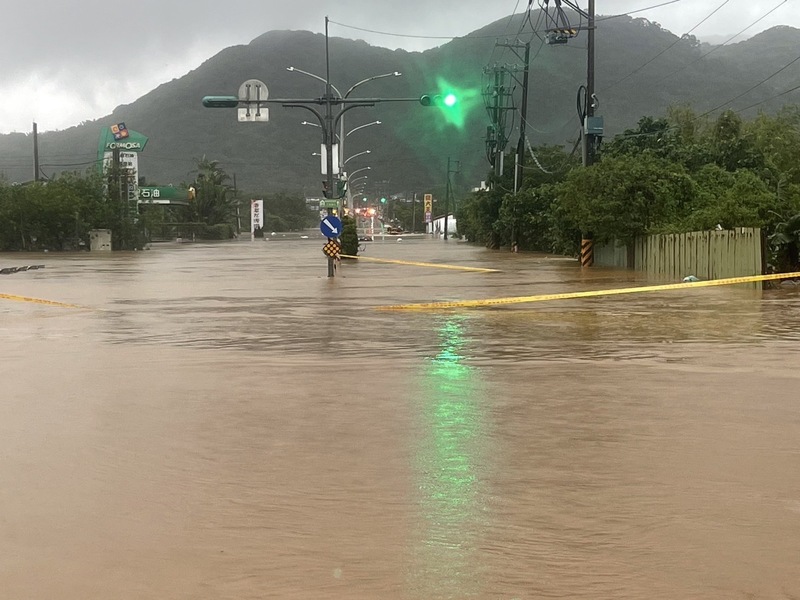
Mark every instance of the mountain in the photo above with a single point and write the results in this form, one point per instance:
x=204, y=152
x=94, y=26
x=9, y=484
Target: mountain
x=641, y=69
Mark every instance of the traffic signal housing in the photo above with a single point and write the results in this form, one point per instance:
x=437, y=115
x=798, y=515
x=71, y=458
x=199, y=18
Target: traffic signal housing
x=453, y=102
x=220, y=101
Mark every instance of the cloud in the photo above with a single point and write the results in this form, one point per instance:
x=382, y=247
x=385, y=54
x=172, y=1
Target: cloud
x=78, y=61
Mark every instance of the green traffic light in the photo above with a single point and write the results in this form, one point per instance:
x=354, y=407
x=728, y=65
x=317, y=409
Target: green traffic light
x=383, y=200
x=450, y=100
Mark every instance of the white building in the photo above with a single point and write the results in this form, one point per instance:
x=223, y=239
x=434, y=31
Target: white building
x=437, y=226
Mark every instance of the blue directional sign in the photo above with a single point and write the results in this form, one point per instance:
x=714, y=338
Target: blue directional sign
x=331, y=226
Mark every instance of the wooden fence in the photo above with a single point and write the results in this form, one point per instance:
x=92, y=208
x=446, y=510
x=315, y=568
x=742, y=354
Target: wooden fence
x=704, y=254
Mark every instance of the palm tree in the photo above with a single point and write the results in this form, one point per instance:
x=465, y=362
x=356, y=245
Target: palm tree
x=213, y=202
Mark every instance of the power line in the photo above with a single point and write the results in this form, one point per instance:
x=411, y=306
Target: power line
x=638, y=10
x=733, y=37
x=786, y=66
x=672, y=45
x=477, y=37
x=407, y=35
x=795, y=88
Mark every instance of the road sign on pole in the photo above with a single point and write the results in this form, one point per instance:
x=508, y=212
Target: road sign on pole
x=253, y=90
x=331, y=227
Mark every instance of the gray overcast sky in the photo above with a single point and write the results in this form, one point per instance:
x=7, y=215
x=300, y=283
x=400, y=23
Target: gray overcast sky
x=66, y=62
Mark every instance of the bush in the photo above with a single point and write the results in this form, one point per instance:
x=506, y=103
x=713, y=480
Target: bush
x=220, y=231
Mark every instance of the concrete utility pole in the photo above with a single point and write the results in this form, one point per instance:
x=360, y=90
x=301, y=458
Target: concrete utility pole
x=35, y=152
x=591, y=126
x=457, y=169
x=589, y=138
x=238, y=214
x=499, y=104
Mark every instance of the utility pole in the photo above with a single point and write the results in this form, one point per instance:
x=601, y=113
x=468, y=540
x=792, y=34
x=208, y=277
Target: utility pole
x=589, y=139
x=498, y=103
x=449, y=191
x=591, y=126
x=589, y=131
x=238, y=214
x=414, y=213
x=35, y=152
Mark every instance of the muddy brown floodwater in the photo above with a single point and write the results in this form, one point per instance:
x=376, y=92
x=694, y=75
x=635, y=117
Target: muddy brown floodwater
x=225, y=422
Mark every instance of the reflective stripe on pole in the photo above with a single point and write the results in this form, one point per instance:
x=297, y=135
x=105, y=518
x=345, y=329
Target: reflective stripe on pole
x=587, y=252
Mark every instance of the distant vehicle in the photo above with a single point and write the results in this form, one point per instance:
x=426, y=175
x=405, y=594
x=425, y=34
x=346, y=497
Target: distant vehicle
x=365, y=238
x=394, y=230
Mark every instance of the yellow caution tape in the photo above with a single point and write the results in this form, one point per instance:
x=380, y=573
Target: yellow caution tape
x=38, y=301
x=421, y=264
x=588, y=294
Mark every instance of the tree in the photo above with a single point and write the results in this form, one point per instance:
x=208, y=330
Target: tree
x=349, y=236
x=624, y=197
x=213, y=202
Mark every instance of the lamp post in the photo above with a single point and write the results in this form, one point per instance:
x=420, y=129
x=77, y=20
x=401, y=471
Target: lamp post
x=341, y=120
x=344, y=96
x=362, y=127
x=348, y=159
x=347, y=95
x=253, y=94
x=359, y=170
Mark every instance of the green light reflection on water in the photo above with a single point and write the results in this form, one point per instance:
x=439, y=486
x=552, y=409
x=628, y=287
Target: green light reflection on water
x=448, y=456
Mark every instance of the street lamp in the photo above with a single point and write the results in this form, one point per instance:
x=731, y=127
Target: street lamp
x=361, y=127
x=355, y=155
x=310, y=123
x=317, y=77
x=344, y=96
x=359, y=170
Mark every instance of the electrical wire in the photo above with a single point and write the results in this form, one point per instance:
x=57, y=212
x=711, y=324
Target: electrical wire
x=672, y=45
x=638, y=10
x=795, y=88
x=750, y=89
x=410, y=36
x=730, y=39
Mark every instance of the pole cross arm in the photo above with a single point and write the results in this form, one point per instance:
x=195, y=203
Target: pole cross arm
x=233, y=101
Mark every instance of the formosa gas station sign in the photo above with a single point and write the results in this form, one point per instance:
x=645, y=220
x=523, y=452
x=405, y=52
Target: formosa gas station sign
x=118, y=138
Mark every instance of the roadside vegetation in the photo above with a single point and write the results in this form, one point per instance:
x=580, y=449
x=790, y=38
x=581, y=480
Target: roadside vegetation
x=58, y=214
x=676, y=174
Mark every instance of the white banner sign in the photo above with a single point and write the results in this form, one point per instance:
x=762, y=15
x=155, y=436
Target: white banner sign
x=256, y=215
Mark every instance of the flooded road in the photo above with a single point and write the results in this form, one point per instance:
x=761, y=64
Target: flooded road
x=225, y=422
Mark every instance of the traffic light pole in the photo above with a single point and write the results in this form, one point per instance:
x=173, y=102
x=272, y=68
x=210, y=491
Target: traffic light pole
x=327, y=120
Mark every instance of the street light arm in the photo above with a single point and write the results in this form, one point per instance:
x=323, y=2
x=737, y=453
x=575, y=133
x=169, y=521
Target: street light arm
x=355, y=155
x=317, y=114
x=359, y=170
x=361, y=127
x=317, y=77
x=355, y=85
